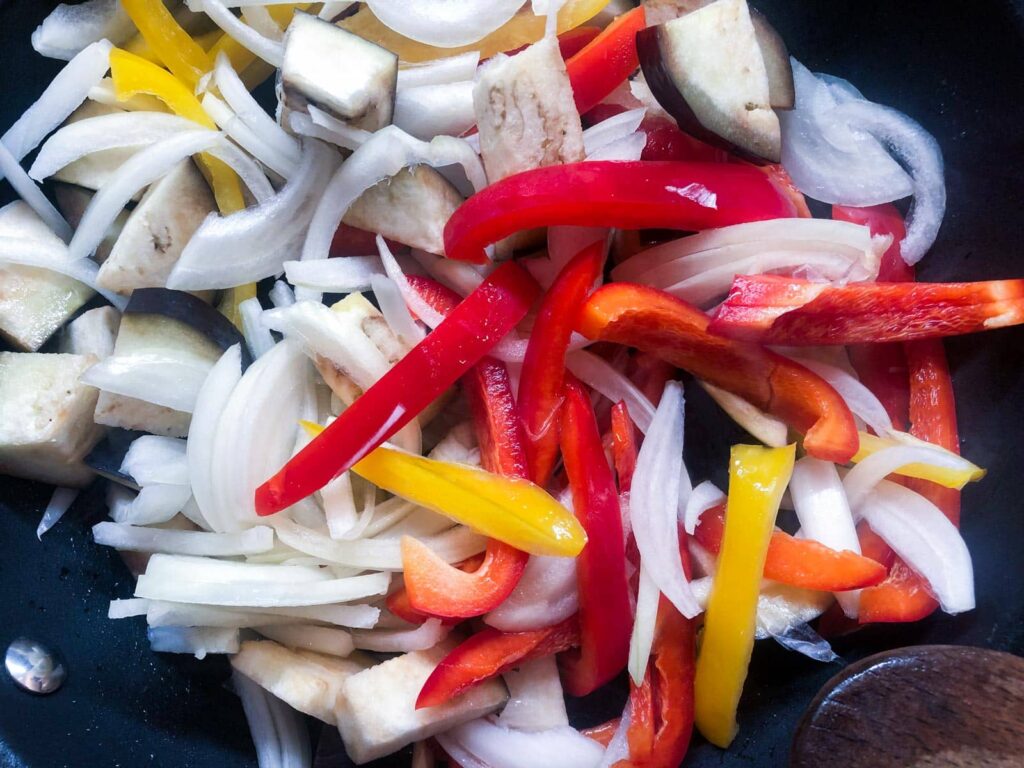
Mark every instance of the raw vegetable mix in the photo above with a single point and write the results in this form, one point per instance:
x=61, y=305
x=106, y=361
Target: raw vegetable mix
x=410, y=447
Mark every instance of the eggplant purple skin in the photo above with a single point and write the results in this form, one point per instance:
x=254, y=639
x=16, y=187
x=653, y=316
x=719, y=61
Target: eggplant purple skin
x=108, y=455
x=191, y=311
x=648, y=48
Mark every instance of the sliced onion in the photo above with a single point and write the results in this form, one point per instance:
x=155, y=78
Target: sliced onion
x=137, y=172
x=599, y=374
x=382, y=156
x=282, y=164
x=804, y=640
x=69, y=29
x=618, y=747
x=54, y=257
x=499, y=747
x=62, y=96
x=253, y=244
x=765, y=427
x=655, y=497
x=31, y=194
x=257, y=17
x=926, y=540
x=339, y=506
x=270, y=51
x=257, y=335
x=642, y=638
x=255, y=703
x=439, y=71
x=861, y=400
x=825, y=158
x=545, y=595
x=920, y=153
x=624, y=149
x=206, y=569
x=413, y=300
x=334, y=642
x=461, y=277
x=535, y=698
x=59, y=503
x=871, y=470
x=702, y=498
x=616, y=127
x=444, y=23
x=127, y=608
x=199, y=641
x=396, y=313
x=200, y=543
x=424, y=637
x=349, y=136
x=162, y=613
x=564, y=242
x=155, y=459
x=345, y=274
x=426, y=111
x=96, y=134
x=281, y=294
x=156, y=503
x=157, y=379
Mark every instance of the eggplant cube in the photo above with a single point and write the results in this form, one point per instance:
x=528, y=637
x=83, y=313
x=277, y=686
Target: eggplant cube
x=46, y=425
x=377, y=713
x=324, y=65
x=92, y=333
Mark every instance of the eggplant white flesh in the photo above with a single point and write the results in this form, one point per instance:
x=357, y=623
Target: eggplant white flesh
x=92, y=333
x=525, y=112
x=411, y=207
x=781, y=91
x=93, y=170
x=157, y=230
x=351, y=78
x=34, y=302
x=46, y=425
x=72, y=202
x=659, y=11
x=706, y=69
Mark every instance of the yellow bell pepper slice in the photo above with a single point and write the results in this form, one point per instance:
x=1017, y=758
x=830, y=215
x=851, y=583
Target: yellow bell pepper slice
x=757, y=479
x=944, y=476
x=133, y=75
x=511, y=510
x=522, y=29
x=231, y=298
x=171, y=44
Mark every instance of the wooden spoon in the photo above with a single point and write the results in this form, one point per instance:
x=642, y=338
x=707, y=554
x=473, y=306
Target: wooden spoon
x=932, y=706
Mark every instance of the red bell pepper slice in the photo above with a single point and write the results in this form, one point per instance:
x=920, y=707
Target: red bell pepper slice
x=882, y=220
x=799, y=562
x=650, y=374
x=665, y=326
x=626, y=195
x=605, y=616
x=624, y=449
x=666, y=141
x=543, y=375
x=433, y=365
x=489, y=653
x=605, y=62
x=398, y=601
x=575, y=40
x=771, y=309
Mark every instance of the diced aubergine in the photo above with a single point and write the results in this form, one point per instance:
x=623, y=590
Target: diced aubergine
x=157, y=230
x=707, y=70
x=307, y=681
x=411, y=207
x=190, y=310
x=46, y=424
x=106, y=458
x=92, y=333
x=34, y=302
x=93, y=170
x=351, y=78
x=72, y=202
x=376, y=708
x=781, y=91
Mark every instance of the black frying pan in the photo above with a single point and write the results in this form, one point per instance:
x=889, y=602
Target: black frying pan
x=956, y=67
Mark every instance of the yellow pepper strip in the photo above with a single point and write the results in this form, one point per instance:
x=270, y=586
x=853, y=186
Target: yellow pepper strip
x=168, y=41
x=231, y=298
x=133, y=75
x=511, y=510
x=242, y=59
x=522, y=29
x=140, y=48
x=944, y=476
x=757, y=478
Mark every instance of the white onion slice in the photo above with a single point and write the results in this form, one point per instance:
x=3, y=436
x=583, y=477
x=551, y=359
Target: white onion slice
x=69, y=29
x=926, y=540
x=702, y=498
x=59, y=503
x=248, y=109
x=423, y=637
x=156, y=503
x=382, y=156
x=162, y=613
x=270, y=51
x=871, y=470
x=206, y=569
x=281, y=294
x=199, y=641
x=499, y=747
x=96, y=134
x=423, y=310
x=535, y=698
x=615, y=127
x=598, y=373
x=623, y=149
x=352, y=137
x=444, y=23
x=199, y=543
x=765, y=427
x=62, y=96
x=642, y=638
x=396, y=313
x=166, y=381
x=155, y=459
x=545, y=595
x=13, y=251
x=618, y=747
x=234, y=126
x=263, y=594
x=861, y=400
x=920, y=153
x=255, y=704
x=253, y=244
x=127, y=608
x=426, y=111
x=655, y=498
x=439, y=71
x=31, y=194
x=461, y=277
x=257, y=335
x=257, y=17
x=334, y=642
x=344, y=274
x=138, y=171
x=804, y=640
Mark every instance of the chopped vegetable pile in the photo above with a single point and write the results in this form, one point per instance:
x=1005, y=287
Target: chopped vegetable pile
x=388, y=381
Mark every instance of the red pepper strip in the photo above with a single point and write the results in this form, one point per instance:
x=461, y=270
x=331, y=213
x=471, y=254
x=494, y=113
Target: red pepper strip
x=432, y=587
x=778, y=174
x=352, y=241
x=575, y=40
x=489, y=653
x=882, y=220
x=665, y=326
x=624, y=450
x=626, y=195
x=665, y=141
x=651, y=374
x=398, y=601
x=541, y=382
x=606, y=61
x=771, y=309
x=433, y=365
x=799, y=562
x=605, y=616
